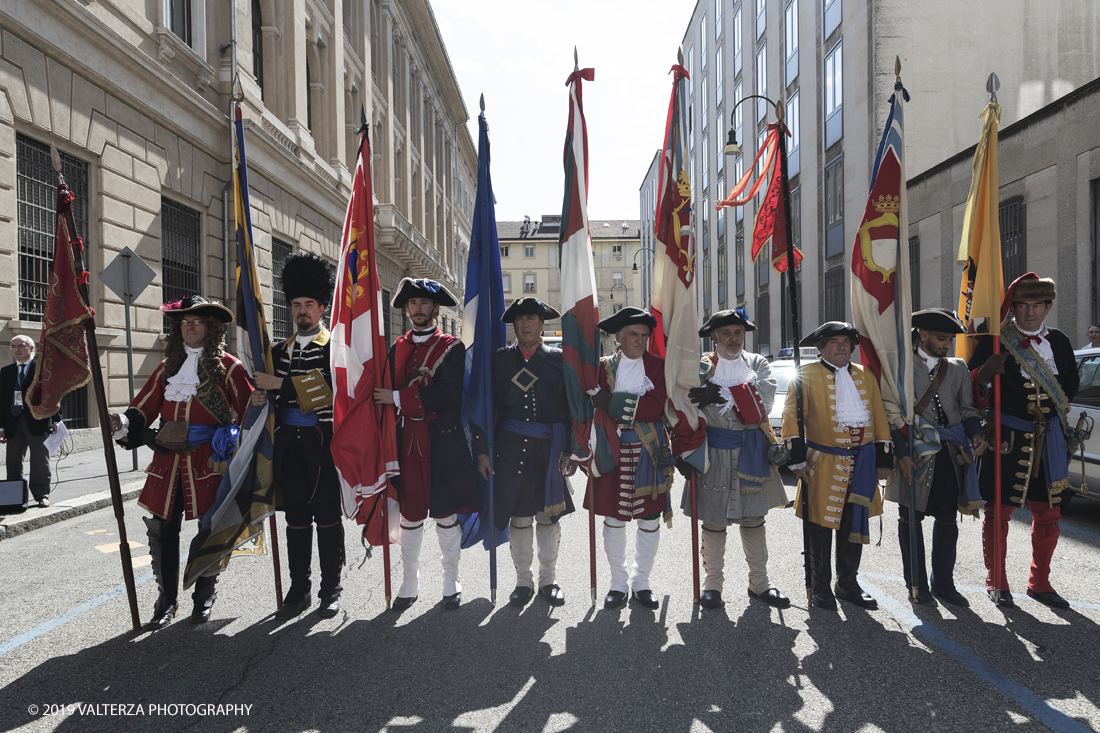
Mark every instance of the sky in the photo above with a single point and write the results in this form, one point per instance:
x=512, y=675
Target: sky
x=519, y=54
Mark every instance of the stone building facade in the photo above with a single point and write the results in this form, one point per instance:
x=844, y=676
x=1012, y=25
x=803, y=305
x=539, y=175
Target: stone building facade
x=136, y=97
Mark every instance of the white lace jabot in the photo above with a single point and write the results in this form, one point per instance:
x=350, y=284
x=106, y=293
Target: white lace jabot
x=730, y=373
x=183, y=385
x=630, y=376
x=850, y=410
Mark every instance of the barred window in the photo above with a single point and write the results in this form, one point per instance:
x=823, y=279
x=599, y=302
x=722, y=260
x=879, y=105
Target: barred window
x=1013, y=240
x=834, y=294
x=387, y=319
x=180, y=252
x=37, y=207
x=280, y=309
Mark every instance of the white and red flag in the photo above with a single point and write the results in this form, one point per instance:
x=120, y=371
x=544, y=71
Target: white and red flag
x=882, y=302
x=676, y=337
x=364, y=433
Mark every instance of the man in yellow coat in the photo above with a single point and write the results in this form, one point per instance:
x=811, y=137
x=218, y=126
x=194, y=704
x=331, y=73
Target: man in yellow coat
x=843, y=454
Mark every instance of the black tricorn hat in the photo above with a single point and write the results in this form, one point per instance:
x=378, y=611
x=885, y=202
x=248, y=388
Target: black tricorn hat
x=828, y=330
x=529, y=306
x=628, y=316
x=200, y=306
x=421, y=288
x=939, y=320
x=727, y=318
x=305, y=275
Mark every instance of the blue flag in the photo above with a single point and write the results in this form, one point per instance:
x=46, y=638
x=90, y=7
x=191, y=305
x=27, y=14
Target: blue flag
x=482, y=334
x=246, y=493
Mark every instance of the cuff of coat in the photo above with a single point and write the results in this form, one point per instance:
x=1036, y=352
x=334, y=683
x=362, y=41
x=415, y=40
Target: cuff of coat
x=901, y=443
x=972, y=426
x=798, y=451
x=411, y=404
x=884, y=454
x=623, y=406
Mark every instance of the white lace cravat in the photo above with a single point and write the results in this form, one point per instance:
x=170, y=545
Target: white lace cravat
x=730, y=373
x=929, y=361
x=850, y=410
x=183, y=385
x=630, y=376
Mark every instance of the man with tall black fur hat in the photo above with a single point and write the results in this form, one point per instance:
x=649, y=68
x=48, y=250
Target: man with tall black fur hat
x=1038, y=379
x=302, y=390
x=739, y=484
x=195, y=392
x=533, y=439
x=424, y=374
x=632, y=391
x=947, y=437
x=841, y=459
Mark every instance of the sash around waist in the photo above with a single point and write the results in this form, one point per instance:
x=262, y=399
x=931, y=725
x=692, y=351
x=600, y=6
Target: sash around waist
x=541, y=430
x=296, y=418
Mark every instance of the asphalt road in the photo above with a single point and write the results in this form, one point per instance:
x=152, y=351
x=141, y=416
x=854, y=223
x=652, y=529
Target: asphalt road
x=66, y=647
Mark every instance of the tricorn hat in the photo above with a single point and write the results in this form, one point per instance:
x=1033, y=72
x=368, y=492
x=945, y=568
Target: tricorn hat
x=421, y=288
x=829, y=329
x=200, y=306
x=727, y=318
x=305, y=275
x=628, y=316
x=940, y=320
x=529, y=306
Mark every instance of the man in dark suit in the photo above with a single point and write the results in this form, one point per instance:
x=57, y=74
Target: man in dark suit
x=20, y=431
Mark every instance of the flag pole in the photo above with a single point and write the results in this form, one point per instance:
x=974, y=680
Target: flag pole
x=991, y=85
x=101, y=405
x=592, y=486
x=796, y=333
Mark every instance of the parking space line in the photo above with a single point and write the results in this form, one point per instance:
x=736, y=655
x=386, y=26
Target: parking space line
x=68, y=616
x=1046, y=713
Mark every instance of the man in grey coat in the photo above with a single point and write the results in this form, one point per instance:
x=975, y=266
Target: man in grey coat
x=948, y=435
x=738, y=485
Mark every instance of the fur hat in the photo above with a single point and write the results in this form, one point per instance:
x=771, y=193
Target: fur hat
x=305, y=275
x=1032, y=289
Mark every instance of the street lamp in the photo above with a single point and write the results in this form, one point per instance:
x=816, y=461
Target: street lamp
x=732, y=148
x=640, y=250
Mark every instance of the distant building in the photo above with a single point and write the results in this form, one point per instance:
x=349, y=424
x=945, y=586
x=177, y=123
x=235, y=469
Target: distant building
x=1049, y=211
x=830, y=63
x=530, y=266
x=136, y=97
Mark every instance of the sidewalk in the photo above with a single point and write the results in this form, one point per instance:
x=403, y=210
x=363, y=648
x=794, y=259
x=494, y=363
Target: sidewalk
x=80, y=486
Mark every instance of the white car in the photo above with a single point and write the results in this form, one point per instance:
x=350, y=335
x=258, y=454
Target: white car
x=783, y=371
x=1087, y=403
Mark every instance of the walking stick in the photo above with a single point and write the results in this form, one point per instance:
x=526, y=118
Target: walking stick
x=913, y=513
x=998, y=566
x=492, y=538
x=386, y=544
x=67, y=227
x=592, y=537
x=276, y=563
x=693, y=487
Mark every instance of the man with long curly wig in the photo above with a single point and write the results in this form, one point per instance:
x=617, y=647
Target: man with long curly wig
x=195, y=391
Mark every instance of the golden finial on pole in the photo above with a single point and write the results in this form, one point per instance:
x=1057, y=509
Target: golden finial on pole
x=897, y=69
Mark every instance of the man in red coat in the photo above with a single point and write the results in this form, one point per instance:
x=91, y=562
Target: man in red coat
x=195, y=391
x=424, y=373
x=632, y=391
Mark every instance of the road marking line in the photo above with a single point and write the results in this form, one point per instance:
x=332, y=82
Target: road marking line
x=115, y=546
x=96, y=531
x=1049, y=715
x=68, y=616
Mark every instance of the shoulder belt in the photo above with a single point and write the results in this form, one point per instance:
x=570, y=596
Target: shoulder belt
x=932, y=389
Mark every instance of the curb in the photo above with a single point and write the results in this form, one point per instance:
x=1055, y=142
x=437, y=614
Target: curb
x=15, y=525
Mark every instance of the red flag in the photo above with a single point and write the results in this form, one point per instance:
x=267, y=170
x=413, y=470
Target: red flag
x=364, y=433
x=62, y=349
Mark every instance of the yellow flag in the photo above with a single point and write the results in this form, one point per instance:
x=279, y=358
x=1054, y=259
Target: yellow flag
x=980, y=249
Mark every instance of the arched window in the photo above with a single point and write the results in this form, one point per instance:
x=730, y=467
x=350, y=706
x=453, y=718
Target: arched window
x=258, y=45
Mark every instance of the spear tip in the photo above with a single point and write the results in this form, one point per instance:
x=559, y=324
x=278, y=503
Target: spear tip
x=680, y=55
x=897, y=67
x=992, y=84
x=576, y=60
x=483, y=101
x=55, y=158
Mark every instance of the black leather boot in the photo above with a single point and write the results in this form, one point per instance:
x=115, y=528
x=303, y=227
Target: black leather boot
x=204, y=597
x=299, y=558
x=330, y=549
x=821, y=546
x=945, y=538
x=848, y=555
x=164, y=548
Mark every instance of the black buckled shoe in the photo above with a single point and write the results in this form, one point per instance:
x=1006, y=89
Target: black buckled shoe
x=204, y=597
x=924, y=597
x=645, y=599
x=521, y=595
x=824, y=600
x=293, y=604
x=856, y=596
x=615, y=599
x=1005, y=600
x=400, y=604
x=330, y=604
x=553, y=594
x=452, y=602
x=1049, y=598
x=711, y=599
x=951, y=596
x=773, y=597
